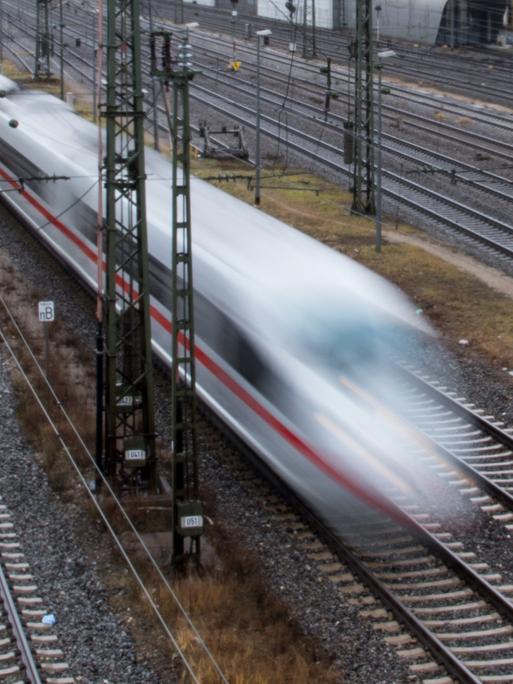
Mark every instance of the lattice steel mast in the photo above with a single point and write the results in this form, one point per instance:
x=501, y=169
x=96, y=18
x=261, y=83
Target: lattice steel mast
x=130, y=442
x=363, y=168
x=309, y=30
x=187, y=511
x=42, y=59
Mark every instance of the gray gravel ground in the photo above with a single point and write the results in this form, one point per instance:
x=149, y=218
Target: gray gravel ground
x=53, y=537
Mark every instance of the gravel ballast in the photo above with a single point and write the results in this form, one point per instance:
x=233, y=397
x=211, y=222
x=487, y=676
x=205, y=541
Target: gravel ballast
x=95, y=642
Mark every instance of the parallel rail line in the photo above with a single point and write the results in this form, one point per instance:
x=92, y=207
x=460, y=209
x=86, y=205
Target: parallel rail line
x=333, y=43
x=380, y=568
x=442, y=209
x=423, y=578
x=28, y=646
x=430, y=161
x=475, y=444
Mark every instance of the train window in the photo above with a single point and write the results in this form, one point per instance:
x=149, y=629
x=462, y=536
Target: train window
x=247, y=361
x=228, y=341
x=346, y=337
x=342, y=345
x=85, y=219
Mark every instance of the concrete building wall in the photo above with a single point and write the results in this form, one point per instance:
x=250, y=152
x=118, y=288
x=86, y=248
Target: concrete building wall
x=454, y=22
x=417, y=20
x=207, y=3
x=275, y=9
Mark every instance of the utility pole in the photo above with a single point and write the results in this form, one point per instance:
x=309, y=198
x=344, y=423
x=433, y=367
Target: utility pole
x=1, y=37
x=42, y=60
x=61, y=48
x=363, y=164
x=187, y=518
x=382, y=55
x=260, y=36
x=154, y=112
x=309, y=30
x=129, y=459
x=179, y=13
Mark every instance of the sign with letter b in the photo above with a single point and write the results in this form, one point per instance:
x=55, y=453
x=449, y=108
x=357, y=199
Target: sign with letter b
x=46, y=312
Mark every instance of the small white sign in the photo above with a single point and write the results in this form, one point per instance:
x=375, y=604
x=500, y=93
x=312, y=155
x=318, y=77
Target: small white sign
x=189, y=521
x=135, y=455
x=46, y=312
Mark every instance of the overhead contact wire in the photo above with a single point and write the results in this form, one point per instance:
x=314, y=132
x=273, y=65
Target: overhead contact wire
x=148, y=553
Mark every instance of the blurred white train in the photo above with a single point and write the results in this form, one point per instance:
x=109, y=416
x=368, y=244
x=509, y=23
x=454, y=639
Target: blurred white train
x=292, y=338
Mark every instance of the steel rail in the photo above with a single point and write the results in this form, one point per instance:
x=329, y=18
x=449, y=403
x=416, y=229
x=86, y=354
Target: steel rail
x=490, y=117
x=444, y=202
x=24, y=64
x=488, y=428
x=392, y=144
x=281, y=35
x=335, y=42
x=503, y=150
x=26, y=655
x=454, y=133
x=397, y=194
x=454, y=666
x=471, y=111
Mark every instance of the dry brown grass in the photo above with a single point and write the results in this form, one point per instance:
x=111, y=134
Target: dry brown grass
x=248, y=630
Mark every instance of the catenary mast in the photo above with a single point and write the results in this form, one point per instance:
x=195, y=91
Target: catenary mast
x=129, y=457
x=363, y=146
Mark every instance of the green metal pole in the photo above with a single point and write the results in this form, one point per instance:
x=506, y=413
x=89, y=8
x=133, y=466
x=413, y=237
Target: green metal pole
x=42, y=57
x=187, y=513
x=61, y=48
x=363, y=169
x=130, y=435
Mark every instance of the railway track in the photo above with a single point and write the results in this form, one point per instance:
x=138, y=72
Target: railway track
x=306, y=78
x=437, y=206
x=29, y=649
x=475, y=444
x=437, y=67
x=442, y=610
x=455, y=606
x=220, y=46
x=306, y=75
x=421, y=159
